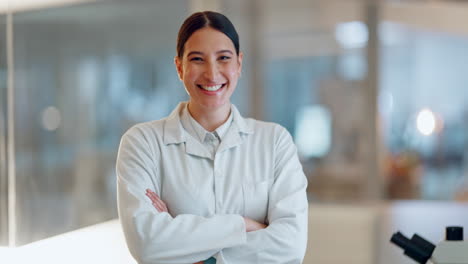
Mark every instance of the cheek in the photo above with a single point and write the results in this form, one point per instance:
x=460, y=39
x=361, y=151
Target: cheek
x=233, y=73
x=233, y=79
x=190, y=74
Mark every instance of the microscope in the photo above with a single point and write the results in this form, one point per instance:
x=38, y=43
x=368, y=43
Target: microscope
x=452, y=250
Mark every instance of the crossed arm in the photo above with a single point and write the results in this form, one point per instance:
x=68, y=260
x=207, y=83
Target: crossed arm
x=160, y=205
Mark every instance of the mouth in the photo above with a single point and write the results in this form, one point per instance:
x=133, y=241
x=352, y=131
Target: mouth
x=211, y=88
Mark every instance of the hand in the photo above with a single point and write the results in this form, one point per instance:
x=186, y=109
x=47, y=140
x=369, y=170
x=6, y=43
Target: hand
x=159, y=204
x=252, y=225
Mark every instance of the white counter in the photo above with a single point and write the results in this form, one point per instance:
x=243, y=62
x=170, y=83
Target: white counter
x=98, y=244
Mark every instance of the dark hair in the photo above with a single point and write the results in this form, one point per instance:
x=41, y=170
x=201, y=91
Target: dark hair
x=200, y=20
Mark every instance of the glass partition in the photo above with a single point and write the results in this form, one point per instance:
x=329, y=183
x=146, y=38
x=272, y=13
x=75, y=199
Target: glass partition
x=315, y=86
x=83, y=75
x=424, y=104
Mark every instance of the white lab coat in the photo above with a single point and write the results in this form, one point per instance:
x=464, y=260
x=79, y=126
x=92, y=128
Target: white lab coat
x=255, y=173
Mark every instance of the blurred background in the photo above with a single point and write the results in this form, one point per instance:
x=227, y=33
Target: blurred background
x=374, y=93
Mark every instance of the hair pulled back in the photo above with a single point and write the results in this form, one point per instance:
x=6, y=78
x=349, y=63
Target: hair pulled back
x=204, y=19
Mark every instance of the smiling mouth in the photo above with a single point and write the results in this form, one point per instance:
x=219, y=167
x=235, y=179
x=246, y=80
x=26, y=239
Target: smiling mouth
x=212, y=88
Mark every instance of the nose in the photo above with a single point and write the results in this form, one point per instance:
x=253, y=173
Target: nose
x=211, y=71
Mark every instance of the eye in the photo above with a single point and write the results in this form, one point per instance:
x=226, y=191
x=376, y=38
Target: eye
x=196, y=59
x=224, y=57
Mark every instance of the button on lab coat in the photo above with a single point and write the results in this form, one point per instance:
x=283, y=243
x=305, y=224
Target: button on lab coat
x=254, y=173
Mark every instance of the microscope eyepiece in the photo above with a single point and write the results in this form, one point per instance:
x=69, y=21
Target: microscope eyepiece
x=400, y=240
x=416, y=248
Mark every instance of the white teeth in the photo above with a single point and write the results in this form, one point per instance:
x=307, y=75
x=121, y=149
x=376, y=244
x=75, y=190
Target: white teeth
x=211, y=88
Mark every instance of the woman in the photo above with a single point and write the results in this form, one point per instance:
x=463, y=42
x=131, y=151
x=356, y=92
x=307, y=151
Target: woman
x=205, y=184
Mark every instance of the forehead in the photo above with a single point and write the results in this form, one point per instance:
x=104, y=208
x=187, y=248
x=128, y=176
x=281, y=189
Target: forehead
x=208, y=40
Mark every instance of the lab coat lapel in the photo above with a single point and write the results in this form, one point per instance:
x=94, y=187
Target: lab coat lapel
x=236, y=133
x=194, y=147
x=232, y=138
x=174, y=133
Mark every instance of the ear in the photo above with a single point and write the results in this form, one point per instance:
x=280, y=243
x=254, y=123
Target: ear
x=178, y=64
x=239, y=60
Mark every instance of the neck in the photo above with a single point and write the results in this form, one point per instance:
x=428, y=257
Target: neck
x=210, y=119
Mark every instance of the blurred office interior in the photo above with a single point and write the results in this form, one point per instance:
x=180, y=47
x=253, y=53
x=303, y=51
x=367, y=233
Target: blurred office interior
x=374, y=93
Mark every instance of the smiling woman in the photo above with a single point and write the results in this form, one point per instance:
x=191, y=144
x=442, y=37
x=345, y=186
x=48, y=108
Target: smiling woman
x=193, y=187
x=209, y=69
x=209, y=63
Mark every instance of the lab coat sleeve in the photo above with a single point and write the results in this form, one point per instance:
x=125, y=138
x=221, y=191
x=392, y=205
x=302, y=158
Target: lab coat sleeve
x=285, y=238
x=153, y=237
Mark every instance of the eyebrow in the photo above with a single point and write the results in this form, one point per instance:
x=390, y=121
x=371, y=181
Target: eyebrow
x=194, y=53
x=223, y=51
x=201, y=53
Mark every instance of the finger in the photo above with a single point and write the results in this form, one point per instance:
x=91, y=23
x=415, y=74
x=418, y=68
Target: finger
x=154, y=199
x=151, y=198
x=149, y=192
x=162, y=205
x=165, y=207
x=152, y=194
x=158, y=207
x=159, y=202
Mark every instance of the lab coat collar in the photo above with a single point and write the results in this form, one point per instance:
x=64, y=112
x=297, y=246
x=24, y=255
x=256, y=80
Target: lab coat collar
x=234, y=135
x=240, y=122
x=174, y=133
